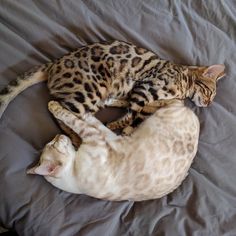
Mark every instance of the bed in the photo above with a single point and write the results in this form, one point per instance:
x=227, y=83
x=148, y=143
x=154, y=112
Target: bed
x=186, y=32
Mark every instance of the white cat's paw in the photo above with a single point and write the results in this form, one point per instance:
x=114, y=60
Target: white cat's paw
x=54, y=106
x=86, y=116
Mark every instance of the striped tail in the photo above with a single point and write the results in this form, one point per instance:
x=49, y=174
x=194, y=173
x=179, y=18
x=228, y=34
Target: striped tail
x=34, y=76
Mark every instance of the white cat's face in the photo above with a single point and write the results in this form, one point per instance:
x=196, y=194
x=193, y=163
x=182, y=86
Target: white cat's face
x=55, y=157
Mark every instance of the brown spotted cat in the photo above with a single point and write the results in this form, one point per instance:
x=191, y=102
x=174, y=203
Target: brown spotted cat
x=85, y=80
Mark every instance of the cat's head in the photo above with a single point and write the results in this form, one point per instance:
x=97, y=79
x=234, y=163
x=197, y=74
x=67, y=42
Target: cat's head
x=56, y=156
x=203, y=90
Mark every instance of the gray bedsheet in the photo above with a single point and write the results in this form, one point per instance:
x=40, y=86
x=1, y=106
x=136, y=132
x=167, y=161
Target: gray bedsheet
x=187, y=32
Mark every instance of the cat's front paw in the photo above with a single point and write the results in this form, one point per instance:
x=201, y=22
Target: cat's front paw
x=54, y=107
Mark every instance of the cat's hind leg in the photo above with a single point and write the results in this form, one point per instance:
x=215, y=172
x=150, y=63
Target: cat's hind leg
x=80, y=108
x=112, y=102
x=122, y=122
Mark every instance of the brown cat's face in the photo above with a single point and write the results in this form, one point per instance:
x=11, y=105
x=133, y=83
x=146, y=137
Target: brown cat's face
x=56, y=155
x=206, y=78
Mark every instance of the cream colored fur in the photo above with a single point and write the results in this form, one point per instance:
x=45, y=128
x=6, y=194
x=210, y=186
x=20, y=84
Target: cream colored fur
x=149, y=164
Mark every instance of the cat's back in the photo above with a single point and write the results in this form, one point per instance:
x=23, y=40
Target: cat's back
x=161, y=152
x=97, y=69
x=174, y=119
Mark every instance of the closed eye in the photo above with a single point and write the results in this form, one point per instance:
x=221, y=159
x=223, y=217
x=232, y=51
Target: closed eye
x=213, y=95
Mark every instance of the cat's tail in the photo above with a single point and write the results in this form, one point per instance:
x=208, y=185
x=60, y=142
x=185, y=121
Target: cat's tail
x=35, y=75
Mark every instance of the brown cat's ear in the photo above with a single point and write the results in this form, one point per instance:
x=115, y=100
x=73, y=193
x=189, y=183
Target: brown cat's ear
x=46, y=168
x=215, y=71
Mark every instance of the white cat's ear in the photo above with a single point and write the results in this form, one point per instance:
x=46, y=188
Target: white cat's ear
x=215, y=71
x=46, y=168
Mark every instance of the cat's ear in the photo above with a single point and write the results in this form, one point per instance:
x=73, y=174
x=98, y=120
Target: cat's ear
x=215, y=72
x=46, y=168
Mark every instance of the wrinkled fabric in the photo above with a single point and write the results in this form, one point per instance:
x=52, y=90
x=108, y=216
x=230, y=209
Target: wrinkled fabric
x=186, y=32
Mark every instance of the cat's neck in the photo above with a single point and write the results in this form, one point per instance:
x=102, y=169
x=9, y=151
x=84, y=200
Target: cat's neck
x=187, y=83
x=190, y=86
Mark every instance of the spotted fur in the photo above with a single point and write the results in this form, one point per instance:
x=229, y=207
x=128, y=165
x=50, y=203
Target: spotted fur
x=149, y=164
x=86, y=78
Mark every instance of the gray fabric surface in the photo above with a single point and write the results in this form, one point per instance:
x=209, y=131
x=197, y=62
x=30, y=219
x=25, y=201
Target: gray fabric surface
x=187, y=32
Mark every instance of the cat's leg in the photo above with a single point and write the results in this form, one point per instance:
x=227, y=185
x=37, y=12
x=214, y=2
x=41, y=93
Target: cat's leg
x=144, y=114
x=89, y=129
x=80, y=108
x=75, y=139
x=116, y=103
x=138, y=119
x=112, y=102
x=139, y=98
x=86, y=98
x=141, y=95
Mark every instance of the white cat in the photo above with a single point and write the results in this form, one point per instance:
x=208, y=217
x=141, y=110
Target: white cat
x=149, y=164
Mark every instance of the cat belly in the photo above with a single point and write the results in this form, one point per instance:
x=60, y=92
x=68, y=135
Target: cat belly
x=131, y=181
